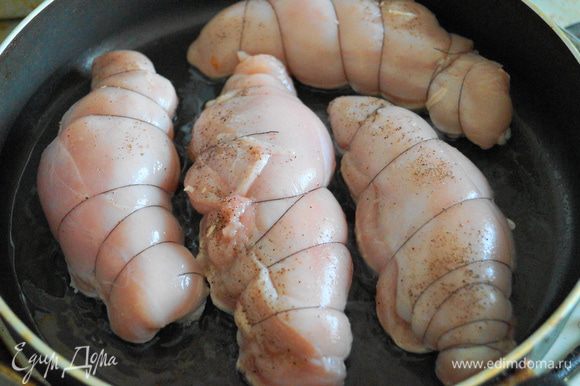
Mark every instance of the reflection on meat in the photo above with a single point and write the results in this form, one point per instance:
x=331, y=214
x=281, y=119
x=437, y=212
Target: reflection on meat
x=105, y=185
x=272, y=237
x=426, y=222
x=393, y=48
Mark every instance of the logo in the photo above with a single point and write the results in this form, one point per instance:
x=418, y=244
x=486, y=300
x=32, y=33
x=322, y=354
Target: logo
x=83, y=359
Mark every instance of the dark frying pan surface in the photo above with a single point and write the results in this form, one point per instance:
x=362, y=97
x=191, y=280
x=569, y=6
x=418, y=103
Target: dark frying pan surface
x=535, y=178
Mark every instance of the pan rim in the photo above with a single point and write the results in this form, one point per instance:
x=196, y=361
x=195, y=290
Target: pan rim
x=20, y=27
x=555, y=320
x=552, y=24
x=6, y=313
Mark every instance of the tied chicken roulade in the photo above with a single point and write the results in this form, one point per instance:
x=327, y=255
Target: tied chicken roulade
x=272, y=236
x=105, y=184
x=427, y=224
x=396, y=49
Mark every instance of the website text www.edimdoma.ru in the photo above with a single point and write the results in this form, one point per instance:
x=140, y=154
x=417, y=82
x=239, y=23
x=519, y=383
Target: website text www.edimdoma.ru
x=517, y=365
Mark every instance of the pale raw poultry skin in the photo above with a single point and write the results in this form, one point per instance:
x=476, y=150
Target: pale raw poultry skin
x=105, y=184
x=396, y=49
x=272, y=239
x=427, y=224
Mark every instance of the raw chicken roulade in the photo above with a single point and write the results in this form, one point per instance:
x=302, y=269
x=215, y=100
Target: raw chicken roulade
x=393, y=48
x=105, y=184
x=427, y=223
x=272, y=237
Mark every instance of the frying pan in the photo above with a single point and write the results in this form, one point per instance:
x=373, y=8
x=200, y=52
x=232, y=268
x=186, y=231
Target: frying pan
x=44, y=68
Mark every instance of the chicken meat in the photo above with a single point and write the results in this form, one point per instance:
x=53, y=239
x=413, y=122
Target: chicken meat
x=426, y=222
x=272, y=239
x=105, y=184
x=393, y=48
